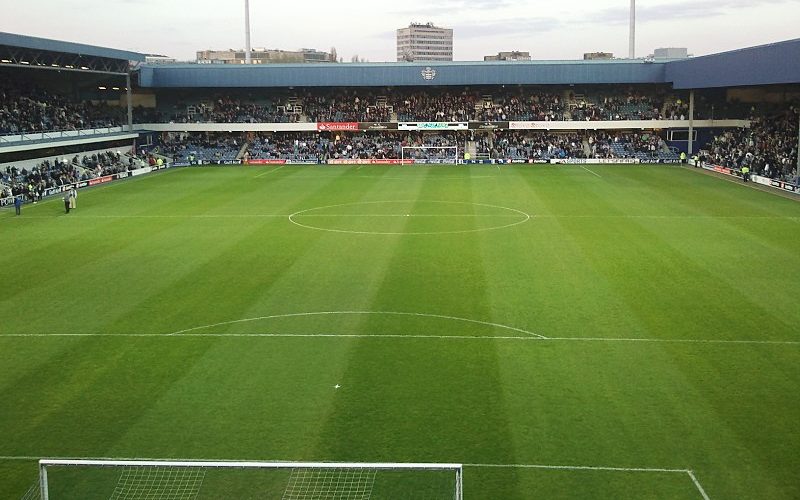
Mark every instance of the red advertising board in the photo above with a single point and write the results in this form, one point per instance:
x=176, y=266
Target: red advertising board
x=335, y=126
x=723, y=170
x=266, y=162
x=359, y=161
x=101, y=180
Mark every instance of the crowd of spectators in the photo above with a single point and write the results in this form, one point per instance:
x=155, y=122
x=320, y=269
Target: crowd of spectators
x=216, y=147
x=632, y=106
x=326, y=146
x=61, y=172
x=219, y=110
x=440, y=105
x=435, y=106
x=295, y=147
x=768, y=147
x=532, y=146
x=543, y=146
x=28, y=109
x=414, y=105
x=625, y=145
x=319, y=147
x=522, y=106
x=345, y=106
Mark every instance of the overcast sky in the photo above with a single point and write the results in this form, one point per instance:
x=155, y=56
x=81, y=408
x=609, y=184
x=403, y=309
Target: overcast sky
x=548, y=29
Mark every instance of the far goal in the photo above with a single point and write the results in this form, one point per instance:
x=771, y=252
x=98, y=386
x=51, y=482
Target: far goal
x=430, y=154
x=190, y=480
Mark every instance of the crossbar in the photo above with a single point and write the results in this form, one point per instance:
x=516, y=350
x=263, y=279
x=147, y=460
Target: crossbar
x=263, y=465
x=45, y=463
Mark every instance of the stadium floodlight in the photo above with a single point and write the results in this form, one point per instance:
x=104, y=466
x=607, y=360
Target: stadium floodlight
x=179, y=480
x=430, y=154
x=248, y=49
x=632, y=36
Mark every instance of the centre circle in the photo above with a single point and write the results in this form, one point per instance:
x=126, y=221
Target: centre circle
x=409, y=217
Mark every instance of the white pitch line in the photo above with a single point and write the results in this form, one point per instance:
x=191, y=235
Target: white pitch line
x=269, y=172
x=698, y=485
x=591, y=172
x=406, y=215
x=20, y=458
x=353, y=313
x=410, y=177
x=401, y=337
x=538, y=216
x=577, y=467
x=270, y=335
x=188, y=216
x=674, y=341
x=643, y=216
x=525, y=217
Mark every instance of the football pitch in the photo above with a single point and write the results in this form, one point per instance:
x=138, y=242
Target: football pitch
x=596, y=332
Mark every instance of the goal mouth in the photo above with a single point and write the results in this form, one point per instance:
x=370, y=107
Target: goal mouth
x=429, y=155
x=191, y=480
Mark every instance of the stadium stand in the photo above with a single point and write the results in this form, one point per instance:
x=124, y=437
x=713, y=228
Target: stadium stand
x=24, y=109
x=301, y=147
x=768, y=147
x=33, y=181
x=345, y=106
x=219, y=109
x=499, y=145
x=203, y=148
x=406, y=105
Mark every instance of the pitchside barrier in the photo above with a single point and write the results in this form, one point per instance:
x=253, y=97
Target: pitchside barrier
x=758, y=179
x=190, y=480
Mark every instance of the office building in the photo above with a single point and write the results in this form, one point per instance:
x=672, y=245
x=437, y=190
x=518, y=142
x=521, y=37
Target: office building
x=424, y=42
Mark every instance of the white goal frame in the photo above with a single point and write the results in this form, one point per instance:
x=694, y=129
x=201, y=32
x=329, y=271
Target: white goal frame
x=44, y=464
x=456, y=159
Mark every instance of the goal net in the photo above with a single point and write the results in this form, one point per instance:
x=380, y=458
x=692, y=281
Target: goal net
x=430, y=154
x=170, y=480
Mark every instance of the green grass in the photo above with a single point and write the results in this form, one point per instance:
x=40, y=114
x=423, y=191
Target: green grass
x=658, y=253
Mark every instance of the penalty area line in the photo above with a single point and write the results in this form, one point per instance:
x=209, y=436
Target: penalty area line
x=690, y=473
x=577, y=467
x=698, y=485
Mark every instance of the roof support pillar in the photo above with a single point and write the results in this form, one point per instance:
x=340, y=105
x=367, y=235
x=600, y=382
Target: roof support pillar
x=129, y=94
x=691, y=124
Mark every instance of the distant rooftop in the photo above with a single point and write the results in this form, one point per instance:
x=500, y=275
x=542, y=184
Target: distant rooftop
x=423, y=25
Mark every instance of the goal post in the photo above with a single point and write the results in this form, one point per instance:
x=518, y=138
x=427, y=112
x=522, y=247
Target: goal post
x=430, y=154
x=190, y=480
